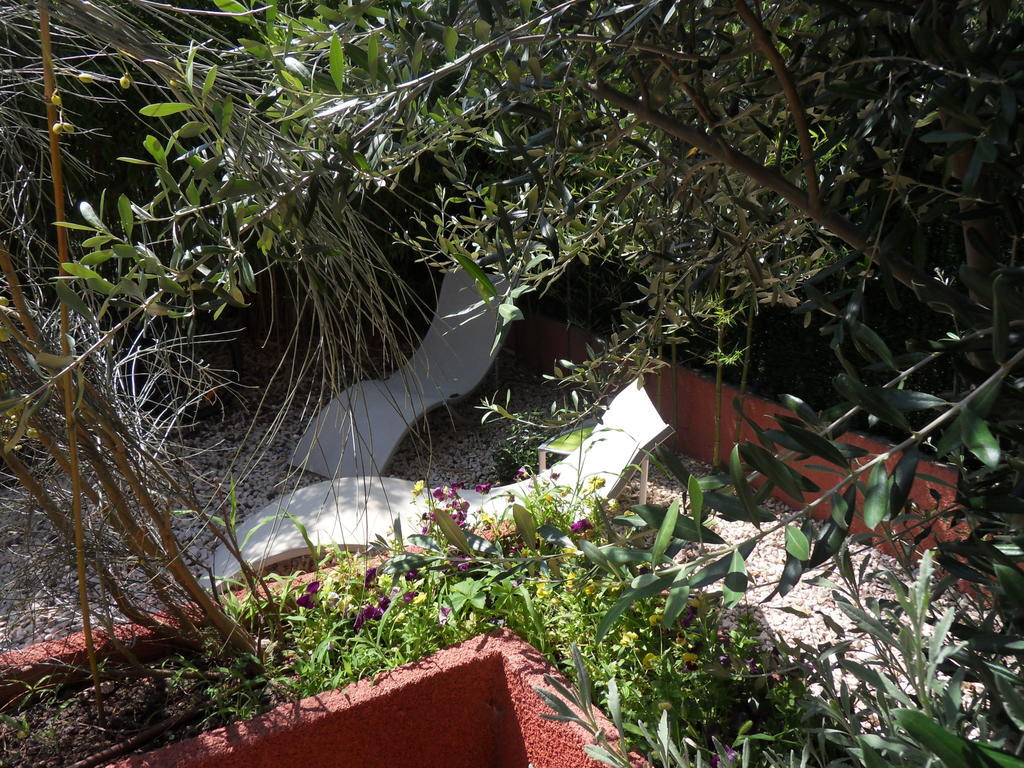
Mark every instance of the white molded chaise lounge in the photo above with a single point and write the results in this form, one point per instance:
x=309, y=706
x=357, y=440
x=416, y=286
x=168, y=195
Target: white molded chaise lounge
x=351, y=512
x=628, y=430
x=357, y=432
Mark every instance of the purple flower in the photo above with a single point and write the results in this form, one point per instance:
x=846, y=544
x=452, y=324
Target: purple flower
x=370, y=577
x=483, y=488
x=412, y=575
x=689, y=616
x=456, y=487
x=409, y=596
x=438, y=493
x=306, y=599
x=730, y=755
x=522, y=473
x=443, y=614
x=581, y=526
x=724, y=660
x=554, y=476
x=371, y=612
x=463, y=566
x=363, y=616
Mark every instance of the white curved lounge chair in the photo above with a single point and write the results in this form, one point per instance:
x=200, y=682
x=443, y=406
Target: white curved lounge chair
x=351, y=512
x=357, y=432
x=628, y=430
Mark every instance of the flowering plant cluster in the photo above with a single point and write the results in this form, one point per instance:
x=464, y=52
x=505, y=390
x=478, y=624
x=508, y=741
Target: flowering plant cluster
x=706, y=672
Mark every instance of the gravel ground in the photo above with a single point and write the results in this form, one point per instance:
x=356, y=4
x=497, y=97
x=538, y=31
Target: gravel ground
x=452, y=445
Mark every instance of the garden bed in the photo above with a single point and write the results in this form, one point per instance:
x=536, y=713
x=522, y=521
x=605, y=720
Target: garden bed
x=471, y=705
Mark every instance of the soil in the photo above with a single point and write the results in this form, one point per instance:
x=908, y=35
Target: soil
x=62, y=730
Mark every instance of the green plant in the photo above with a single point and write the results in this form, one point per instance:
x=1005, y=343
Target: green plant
x=518, y=449
x=927, y=690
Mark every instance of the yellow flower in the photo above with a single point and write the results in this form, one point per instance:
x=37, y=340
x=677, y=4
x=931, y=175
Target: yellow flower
x=650, y=660
x=570, y=551
x=590, y=589
x=125, y=81
x=399, y=618
x=419, y=599
x=689, y=658
x=418, y=488
x=542, y=590
x=628, y=639
x=654, y=619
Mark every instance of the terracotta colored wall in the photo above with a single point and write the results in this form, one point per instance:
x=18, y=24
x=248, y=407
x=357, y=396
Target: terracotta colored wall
x=686, y=400
x=66, y=659
x=469, y=706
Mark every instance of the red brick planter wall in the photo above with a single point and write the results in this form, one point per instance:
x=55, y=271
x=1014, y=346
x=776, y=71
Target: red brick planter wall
x=469, y=706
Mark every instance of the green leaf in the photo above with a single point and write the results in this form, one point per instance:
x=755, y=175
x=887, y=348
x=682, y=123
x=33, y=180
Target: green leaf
x=208, y=81
x=797, y=544
x=79, y=270
x=829, y=540
x=468, y=591
x=670, y=462
x=807, y=414
x=525, y=523
x=784, y=477
x=903, y=479
x=156, y=149
x=73, y=301
x=743, y=492
x=954, y=751
x=231, y=6
x=570, y=441
x=870, y=399
x=791, y=573
x=876, y=499
x=661, y=541
x=731, y=508
x=814, y=444
x=483, y=282
x=646, y=585
x=735, y=585
x=451, y=530
x=695, y=502
x=124, y=210
x=979, y=439
x=164, y=109
x=720, y=568
x=451, y=42
x=191, y=129
x=337, y=63
x=593, y=553
x=510, y=312
x=685, y=528
x=677, y=600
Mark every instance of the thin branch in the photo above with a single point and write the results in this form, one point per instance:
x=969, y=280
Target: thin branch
x=66, y=380
x=771, y=51
x=901, y=269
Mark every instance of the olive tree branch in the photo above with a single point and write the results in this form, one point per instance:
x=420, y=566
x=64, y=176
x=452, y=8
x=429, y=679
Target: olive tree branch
x=771, y=51
x=950, y=300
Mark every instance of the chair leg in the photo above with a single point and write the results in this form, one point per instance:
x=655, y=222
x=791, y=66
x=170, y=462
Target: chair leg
x=542, y=460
